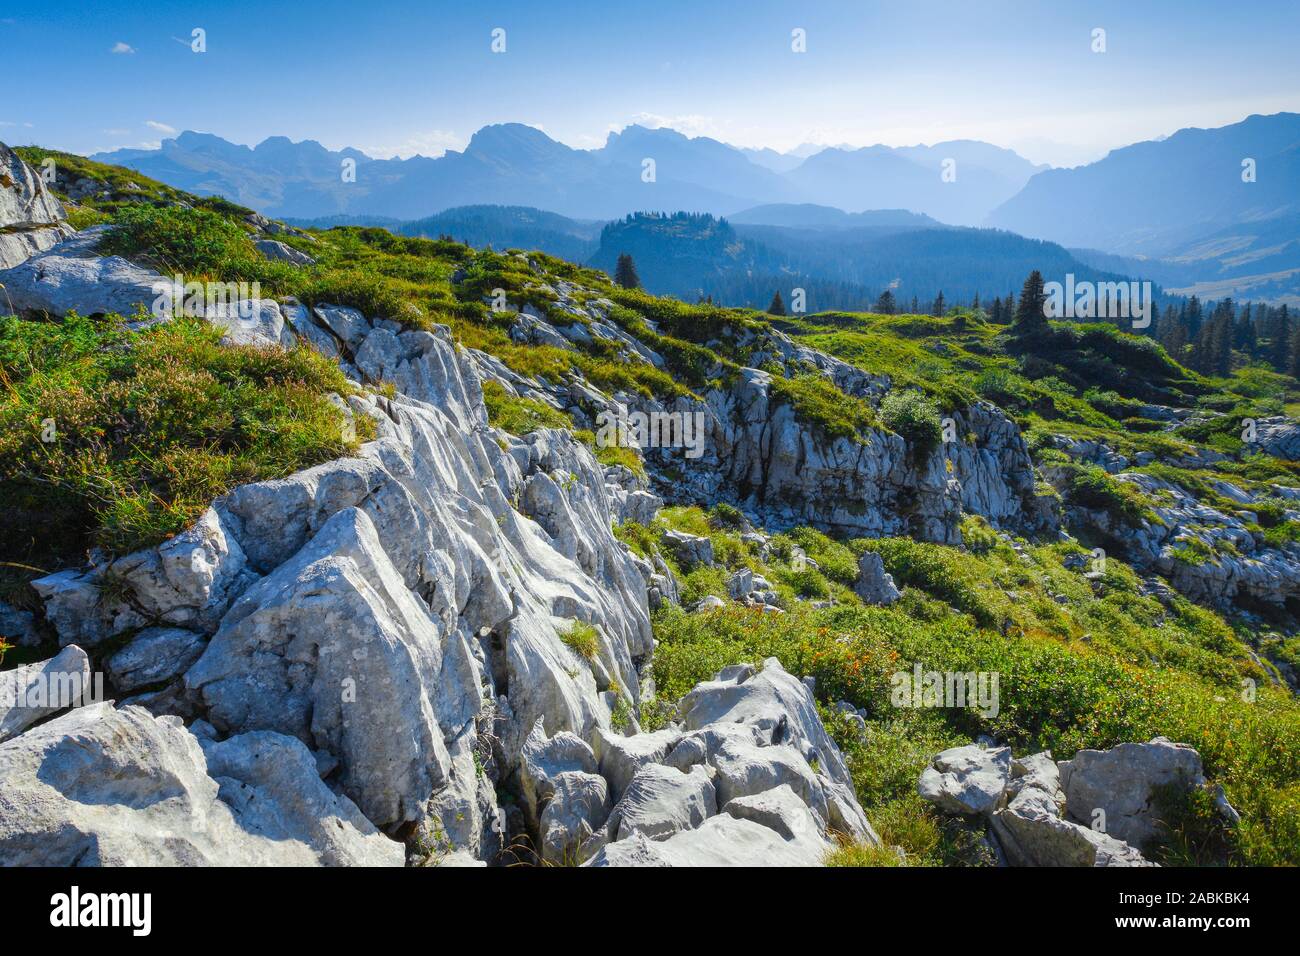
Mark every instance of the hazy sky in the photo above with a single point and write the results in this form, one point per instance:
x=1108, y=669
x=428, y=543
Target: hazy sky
x=396, y=78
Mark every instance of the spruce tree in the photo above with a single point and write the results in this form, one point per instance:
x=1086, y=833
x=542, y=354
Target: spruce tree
x=939, y=306
x=1280, y=346
x=1292, y=364
x=625, y=272
x=885, y=304
x=778, y=305
x=1030, y=323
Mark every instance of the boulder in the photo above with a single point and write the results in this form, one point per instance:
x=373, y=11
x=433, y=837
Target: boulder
x=745, y=769
x=1121, y=783
x=621, y=757
x=1031, y=832
x=278, y=251
x=543, y=759
x=34, y=691
x=68, y=277
x=661, y=801
x=874, y=585
x=578, y=806
x=967, y=780
x=782, y=810
x=1036, y=771
x=31, y=217
x=1280, y=437
x=155, y=655
x=102, y=786
x=348, y=325
x=692, y=550
x=723, y=840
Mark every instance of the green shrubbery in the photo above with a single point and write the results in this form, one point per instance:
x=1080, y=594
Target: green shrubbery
x=915, y=417
x=583, y=638
x=822, y=405
x=1091, y=487
x=517, y=415
x=1052, y=696
x=176, y=239
x=145, y=428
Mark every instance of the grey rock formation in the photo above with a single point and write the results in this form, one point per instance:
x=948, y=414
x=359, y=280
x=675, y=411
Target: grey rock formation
x=1121, y=784
x=544, y=759
x=723, y=840
x=31, y=218
x=277, y=251
x=661, y=801
x=781, y=711
x=70, y=277
x=1031, y=832
x=577, y=807
x=1280, y=437
x=874, y=585
x=34, y=691
x=621, y=757
x=102, y=786
x=154, y=655
x=968, y=780
x=692, y=550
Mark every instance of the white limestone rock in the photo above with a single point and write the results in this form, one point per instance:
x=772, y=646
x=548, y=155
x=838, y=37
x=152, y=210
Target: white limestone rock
x=1121, y=783
x=33, y=691
x=661, y=801
x=968, y=780
x=101, y=786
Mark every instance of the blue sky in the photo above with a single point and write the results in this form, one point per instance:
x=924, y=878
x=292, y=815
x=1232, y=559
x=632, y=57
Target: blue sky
x=395, y=78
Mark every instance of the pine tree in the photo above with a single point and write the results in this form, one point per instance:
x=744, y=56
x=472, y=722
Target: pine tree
x=778, y=305
x=939, y=307
x=1194, y=317
x=1030, y=323
x=1292, y=364
x=625, y=272
x=885, y=304
x=1281, y=349
x=1243, y=334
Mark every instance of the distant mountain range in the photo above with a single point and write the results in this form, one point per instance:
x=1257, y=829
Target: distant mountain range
x=1183, y=200
x=1174, y=210
x=512, y=164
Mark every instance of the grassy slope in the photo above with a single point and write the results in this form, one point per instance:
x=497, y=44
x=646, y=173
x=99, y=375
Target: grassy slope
x=1080, y=665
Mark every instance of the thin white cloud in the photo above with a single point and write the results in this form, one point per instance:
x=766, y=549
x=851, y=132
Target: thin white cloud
x=160, y=127
x=432, y=143
x=122, y=48
x=116, y=132
x=689, y=124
